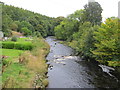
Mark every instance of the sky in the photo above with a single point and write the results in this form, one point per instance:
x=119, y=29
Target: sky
x=55, y=8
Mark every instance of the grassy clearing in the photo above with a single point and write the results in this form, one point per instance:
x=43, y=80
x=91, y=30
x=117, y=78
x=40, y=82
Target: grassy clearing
x=22, y=40
x=10, y=55
x=22, y=73
x=11, y=52
x=16, y=76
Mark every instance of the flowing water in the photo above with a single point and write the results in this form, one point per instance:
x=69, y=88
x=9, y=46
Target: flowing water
x=69, y=71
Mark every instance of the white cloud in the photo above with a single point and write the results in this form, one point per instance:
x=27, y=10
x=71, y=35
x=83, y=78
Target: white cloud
x=55, y=8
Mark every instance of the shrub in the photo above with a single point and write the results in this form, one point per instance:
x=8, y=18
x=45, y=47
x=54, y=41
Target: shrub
x=8, y=45
x=16, y=45
x=6, y=62
x=14, y=39
x=23, y=46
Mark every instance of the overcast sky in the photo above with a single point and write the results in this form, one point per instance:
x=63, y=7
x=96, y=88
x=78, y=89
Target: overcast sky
x=55, y=8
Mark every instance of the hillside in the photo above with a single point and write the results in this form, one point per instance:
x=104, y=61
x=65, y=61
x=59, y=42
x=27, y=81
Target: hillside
x=26, y=22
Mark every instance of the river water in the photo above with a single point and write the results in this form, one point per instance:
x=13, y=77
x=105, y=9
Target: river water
x=69, y=71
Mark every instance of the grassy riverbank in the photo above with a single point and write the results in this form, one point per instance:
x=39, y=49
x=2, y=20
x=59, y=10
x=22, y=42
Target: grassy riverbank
x=25, y=68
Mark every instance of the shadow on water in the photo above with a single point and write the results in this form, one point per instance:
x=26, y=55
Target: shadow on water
x=69, y=71
x=100, y=78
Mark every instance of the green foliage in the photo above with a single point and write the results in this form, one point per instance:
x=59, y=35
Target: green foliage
x=82, y=27
x=86, y=41
x=14, y=39
x=6, y=24
x=77, y=15
x=20, y=75
x=37, y=34
x=93, y=13
x=66, y=28
x=15, y=19
x=83, y=39
x=13, y=27
x=23, y=46
x=11, y=54
x=6, y=62
x=26, y=31
x=15, y=74
x=107, y=40
x=83, y=32
x=8, y=45
x=114, y=63
x=17, y=45
x=58, y=20
x=40, y=28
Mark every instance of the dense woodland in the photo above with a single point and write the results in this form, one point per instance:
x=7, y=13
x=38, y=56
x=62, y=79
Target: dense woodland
x=92, y=39
x=27, y=22
x=83, y=30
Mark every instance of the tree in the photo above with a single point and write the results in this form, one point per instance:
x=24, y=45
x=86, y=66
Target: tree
x=58, y=20
x=18, y=24
x=93, y=13
x=17, y=18
x=6, y=24
x=108, y=40
x=84, y=38
x=87, y=42
x=14, y=26
x=77, y=15
x=37, y=34
x=26, y=31
x=40, y=29
x=26, y=24
x=66, y=28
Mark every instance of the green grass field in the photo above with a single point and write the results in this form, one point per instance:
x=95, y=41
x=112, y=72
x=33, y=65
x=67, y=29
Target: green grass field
x=11, y=52
x=26, y=39
x=23, y=40
x=16, y=75
x=21, y=75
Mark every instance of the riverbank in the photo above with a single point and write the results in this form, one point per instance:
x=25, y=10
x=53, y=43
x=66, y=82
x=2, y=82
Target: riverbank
x=113, y=64
x=28, y=69
x=108, y=63
x=71, y=71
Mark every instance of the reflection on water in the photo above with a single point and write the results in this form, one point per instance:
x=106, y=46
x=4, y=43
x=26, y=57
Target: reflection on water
x=69, y=71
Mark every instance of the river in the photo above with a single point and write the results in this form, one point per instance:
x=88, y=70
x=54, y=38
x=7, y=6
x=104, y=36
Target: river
x=69, y=71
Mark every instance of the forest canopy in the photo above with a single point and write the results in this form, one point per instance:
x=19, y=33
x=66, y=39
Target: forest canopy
x=27, y=22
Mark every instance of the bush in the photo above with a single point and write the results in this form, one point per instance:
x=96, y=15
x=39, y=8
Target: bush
x=14, y=39
x=16, y=45
x=23, y=46
x=8, y=45
x=6, y=62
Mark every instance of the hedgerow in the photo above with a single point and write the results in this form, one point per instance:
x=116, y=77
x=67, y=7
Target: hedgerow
x=17, y=45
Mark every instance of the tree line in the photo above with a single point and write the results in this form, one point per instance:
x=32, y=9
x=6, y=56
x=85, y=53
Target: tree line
x=26, y=22
x=83, y=29
x=91, y=38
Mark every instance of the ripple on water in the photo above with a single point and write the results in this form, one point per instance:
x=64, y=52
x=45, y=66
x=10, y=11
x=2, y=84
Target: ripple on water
x=69, y=71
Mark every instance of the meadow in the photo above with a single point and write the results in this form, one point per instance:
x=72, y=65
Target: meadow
x=20, y=66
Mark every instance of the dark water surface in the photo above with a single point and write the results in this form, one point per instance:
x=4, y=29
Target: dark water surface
x=69, y=71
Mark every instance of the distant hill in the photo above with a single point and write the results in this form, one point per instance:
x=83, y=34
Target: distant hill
x=27, y=22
